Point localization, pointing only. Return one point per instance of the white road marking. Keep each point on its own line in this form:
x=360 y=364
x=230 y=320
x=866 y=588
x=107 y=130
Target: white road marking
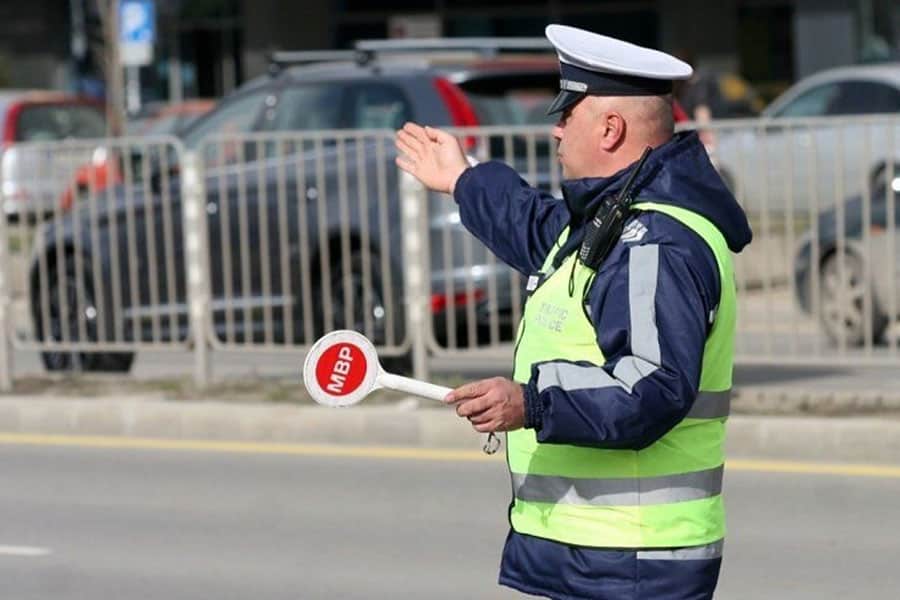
x=29 y=551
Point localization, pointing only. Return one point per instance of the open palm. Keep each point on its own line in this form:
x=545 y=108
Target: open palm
x=431 y=155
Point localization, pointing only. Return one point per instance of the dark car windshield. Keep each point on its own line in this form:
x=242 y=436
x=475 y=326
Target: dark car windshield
x=51 y=122
x=515 y=99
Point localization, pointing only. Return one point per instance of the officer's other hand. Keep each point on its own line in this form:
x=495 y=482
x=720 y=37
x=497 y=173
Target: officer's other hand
x=432 y=156
x=495 y=404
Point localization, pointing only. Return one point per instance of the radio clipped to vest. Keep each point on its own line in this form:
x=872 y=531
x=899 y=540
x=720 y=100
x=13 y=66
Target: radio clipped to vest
x=604 y=229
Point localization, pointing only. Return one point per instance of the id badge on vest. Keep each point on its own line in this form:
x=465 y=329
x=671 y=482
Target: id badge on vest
x=534 y=282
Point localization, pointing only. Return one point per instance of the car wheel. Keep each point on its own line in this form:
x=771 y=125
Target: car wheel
x=347 y=297
x=842 y=314
x=878 y=179
x=64 y=287
x=348 y=289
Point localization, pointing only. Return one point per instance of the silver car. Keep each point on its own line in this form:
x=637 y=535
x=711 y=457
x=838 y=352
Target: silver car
x=829 y=136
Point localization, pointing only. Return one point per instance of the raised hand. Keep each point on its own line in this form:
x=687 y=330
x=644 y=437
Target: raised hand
x=431 y=155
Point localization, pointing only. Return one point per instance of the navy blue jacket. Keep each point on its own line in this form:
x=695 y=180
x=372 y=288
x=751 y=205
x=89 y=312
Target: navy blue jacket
x=521 y=224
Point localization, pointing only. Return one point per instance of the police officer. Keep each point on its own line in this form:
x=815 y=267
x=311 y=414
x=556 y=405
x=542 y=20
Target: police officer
x=617 y=405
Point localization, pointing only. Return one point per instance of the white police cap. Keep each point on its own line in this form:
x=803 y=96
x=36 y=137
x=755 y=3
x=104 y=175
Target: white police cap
x=593 y=64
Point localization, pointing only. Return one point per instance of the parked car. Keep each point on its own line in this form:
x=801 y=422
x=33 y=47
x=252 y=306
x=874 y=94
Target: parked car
x=169 y=118
x=762 y=159
x=33 y=176
x=343 y=95
x=105 y=167
x=846 y=268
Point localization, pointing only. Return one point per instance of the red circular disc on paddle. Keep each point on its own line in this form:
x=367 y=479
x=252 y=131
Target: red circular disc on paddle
x=341 y=368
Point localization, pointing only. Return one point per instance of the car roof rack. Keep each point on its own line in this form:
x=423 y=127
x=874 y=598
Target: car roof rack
x=366 y=51
x=280 y=59
x=485 y=45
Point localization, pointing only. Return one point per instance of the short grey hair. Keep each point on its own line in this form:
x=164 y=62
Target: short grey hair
x=652 y=114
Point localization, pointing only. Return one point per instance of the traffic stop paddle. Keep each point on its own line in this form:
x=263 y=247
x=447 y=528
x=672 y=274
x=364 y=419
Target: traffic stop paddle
x=342 y=368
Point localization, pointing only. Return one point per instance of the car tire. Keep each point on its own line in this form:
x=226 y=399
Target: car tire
x=843 y=315
x=878 y=179
x=357 y=284
x=77 y=361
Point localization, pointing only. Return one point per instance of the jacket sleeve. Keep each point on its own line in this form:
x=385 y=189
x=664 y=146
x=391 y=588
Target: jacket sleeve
x=517 y=222
x=651 y=310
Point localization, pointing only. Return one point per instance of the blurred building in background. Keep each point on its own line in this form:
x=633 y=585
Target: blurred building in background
x=205 y=48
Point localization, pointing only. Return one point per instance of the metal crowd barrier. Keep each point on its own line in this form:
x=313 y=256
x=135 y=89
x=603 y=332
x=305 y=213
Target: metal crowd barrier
x=92 y=270
x=819 y=284
x=304 y=237
x=262 y=242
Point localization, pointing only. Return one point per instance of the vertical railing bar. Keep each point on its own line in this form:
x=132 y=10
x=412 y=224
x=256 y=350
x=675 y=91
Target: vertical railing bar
x=169 y=238
x=346 y=248
x=362 y=186
x=385 y=245
x=61 y=266
x=222 y=178
x=765 y=225
x=891 y=222
x=246 y=298
x=117 y=310
x=789 y=233
x=80 y=282
x=324 y=242
x=305 y=290
x=493 y=300
x=841 y=242
x=287 y=318
x=150 y=231
x=97 y=279
x=868 y=308
x=43 y=265
x=133 y=262
x=262 y=212
x=470 y=299
x=815 y=255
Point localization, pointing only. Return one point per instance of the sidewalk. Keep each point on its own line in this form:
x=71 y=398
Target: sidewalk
x=404 y=423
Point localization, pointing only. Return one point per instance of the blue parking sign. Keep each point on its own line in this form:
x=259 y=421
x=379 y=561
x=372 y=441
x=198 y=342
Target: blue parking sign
x=137 y=22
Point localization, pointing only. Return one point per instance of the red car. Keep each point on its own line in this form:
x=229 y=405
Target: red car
x=33 y=175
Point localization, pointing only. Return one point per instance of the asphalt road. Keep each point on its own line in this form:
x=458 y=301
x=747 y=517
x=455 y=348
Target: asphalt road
x=115 y=523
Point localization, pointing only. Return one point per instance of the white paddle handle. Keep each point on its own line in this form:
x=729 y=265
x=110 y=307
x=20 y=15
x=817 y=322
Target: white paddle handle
x=413 y=386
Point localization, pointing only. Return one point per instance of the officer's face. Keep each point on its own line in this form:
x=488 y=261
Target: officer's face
x=575 y=134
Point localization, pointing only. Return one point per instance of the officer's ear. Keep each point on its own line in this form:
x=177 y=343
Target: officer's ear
x=612 y=130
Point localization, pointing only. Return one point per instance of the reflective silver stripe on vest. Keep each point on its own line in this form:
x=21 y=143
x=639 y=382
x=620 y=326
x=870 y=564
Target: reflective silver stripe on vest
x=711 y=405
x=574 y=377
x=643 y=270
x=618 y=492
x=706 y=552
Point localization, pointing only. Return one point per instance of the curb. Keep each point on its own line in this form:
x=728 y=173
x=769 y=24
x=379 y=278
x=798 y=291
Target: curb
x=845 y=439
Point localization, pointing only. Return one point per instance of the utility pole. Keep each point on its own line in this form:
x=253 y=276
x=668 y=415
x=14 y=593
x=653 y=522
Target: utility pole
x=112 y=66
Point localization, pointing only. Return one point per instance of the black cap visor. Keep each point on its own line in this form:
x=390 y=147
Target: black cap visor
x=564 y=100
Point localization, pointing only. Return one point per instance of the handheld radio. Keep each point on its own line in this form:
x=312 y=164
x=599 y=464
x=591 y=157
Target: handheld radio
x=604 y=229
